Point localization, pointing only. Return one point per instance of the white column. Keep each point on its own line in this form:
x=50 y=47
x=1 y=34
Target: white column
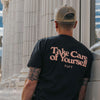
x=12 y=41
x=68 y=2
x=85 y=22
x=26 y=35
x=5 y=65
x=55 y=4
x=12 y=11
x=18 y=53
x=31 y=28
x=76 y=5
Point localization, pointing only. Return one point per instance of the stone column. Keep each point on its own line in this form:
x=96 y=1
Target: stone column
x=6 y=42
x=76 y=5
x=13 y=40
x=53 y=5
x=29 y=36
x=31 y=33
x=85 y=22
x=68 y=2
x=14 y=37
x=12 y=18
x=18 y=44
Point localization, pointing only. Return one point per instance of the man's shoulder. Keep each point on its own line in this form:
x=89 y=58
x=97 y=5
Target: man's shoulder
x=86 y=50
x=82 y=47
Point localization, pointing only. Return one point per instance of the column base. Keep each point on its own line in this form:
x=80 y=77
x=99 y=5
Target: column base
x=11 y=88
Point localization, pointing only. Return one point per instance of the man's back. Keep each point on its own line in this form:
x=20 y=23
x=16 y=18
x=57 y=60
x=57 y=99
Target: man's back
x=65 y=62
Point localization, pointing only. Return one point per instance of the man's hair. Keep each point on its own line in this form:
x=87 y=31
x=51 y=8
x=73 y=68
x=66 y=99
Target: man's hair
x=66 y=25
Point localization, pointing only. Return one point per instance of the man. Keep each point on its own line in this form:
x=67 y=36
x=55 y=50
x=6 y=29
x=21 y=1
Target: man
x=59 y=65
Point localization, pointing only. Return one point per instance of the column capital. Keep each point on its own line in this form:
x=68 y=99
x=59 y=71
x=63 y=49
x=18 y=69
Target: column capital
x=5 y=4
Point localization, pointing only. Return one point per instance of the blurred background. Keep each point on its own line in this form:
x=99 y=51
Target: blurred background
x=23 y=22
x=1 y=34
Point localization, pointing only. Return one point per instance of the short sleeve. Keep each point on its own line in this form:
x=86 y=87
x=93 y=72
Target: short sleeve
x=36 y=57
x=89 y=66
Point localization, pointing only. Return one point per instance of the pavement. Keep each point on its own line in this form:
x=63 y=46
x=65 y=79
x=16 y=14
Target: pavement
x=9 y=94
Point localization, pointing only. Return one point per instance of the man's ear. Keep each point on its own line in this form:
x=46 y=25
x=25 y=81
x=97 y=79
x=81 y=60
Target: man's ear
x=75 y=24
x=56 y=24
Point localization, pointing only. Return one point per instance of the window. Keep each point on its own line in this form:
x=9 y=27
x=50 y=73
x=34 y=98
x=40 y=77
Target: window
x=98 y=26
x=97 y=1
x=97 y=20
x=97 y=7
x=97 y=13
x=0 y=5
x=1 y=21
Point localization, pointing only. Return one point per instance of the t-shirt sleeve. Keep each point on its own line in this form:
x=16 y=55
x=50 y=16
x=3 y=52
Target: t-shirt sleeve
x=36 y=56
x=89 y=66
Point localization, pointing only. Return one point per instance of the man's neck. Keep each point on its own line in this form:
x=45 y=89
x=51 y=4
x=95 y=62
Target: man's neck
x=69 y=33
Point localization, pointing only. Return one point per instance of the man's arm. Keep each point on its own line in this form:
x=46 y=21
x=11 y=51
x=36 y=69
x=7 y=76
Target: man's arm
x=83 y=89
x=30 y=83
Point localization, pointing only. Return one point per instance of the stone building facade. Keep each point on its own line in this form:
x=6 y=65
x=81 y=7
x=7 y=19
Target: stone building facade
x=25 y=22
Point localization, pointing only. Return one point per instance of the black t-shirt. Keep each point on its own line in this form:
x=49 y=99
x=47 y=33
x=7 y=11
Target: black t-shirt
x=64 y=62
